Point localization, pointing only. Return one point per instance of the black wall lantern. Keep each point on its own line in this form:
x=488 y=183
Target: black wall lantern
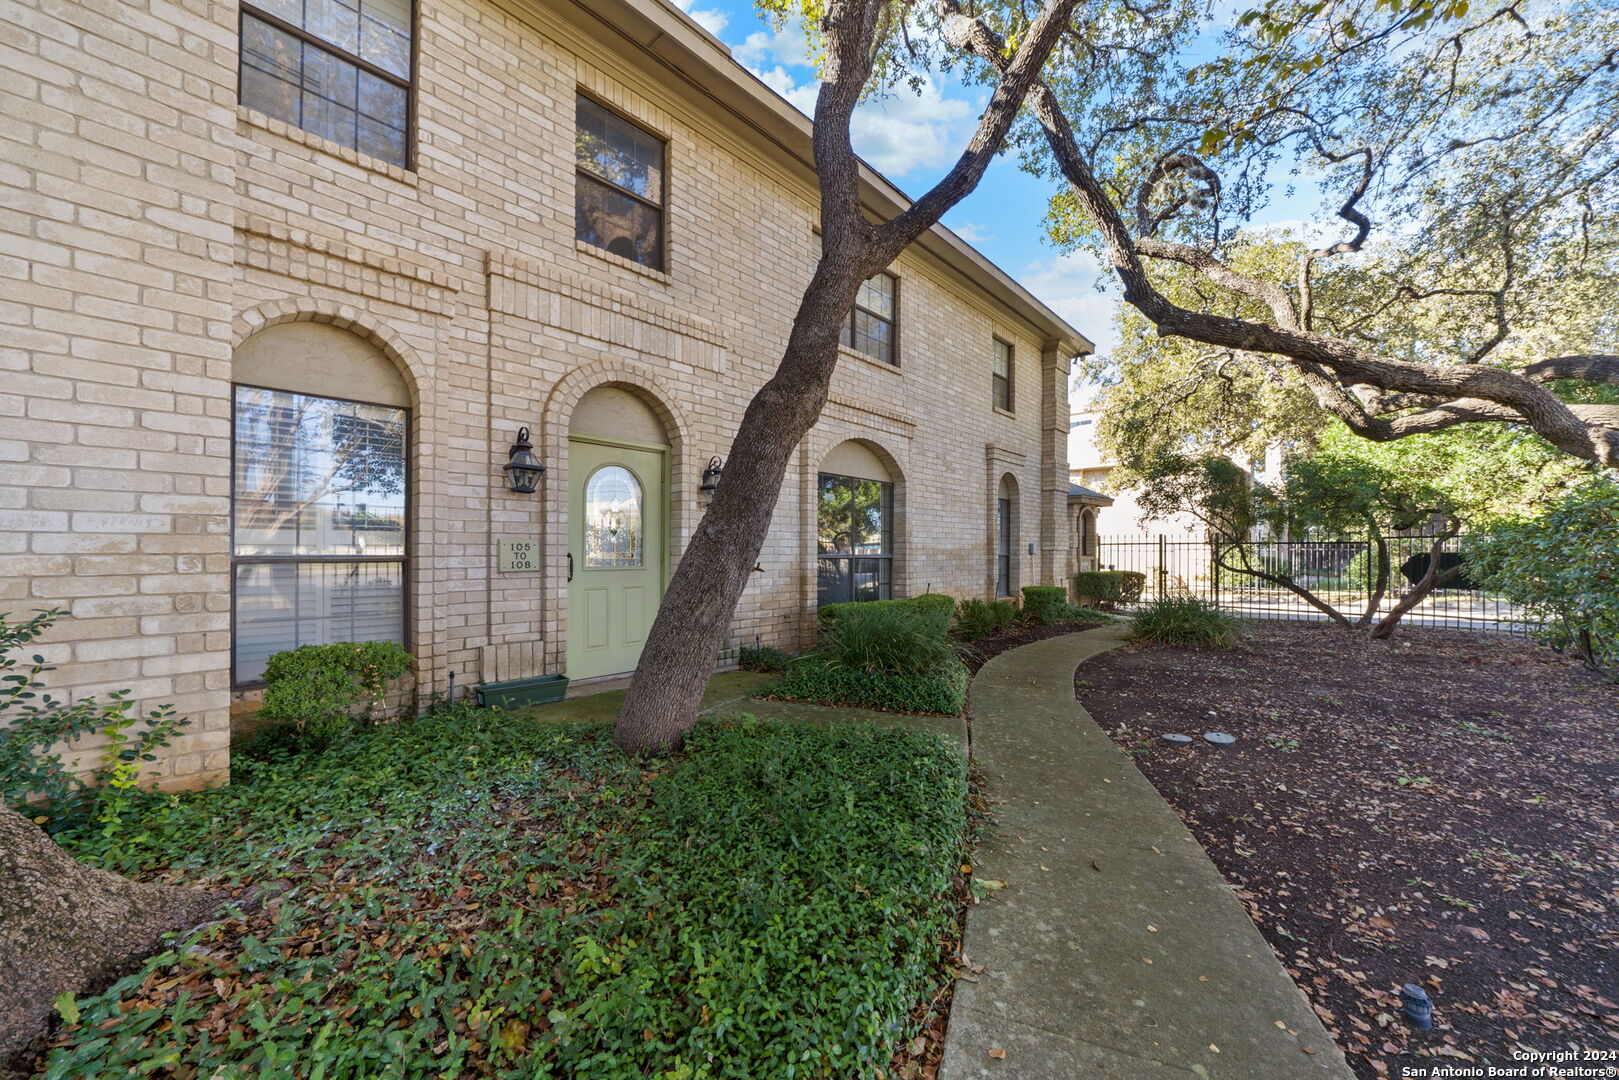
x=522 y=468
x=711 y=478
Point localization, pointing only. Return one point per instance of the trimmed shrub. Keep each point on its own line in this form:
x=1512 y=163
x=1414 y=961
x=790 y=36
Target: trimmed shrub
x=979 y=618
x=316 y=688
x=1109 y=587
x=767 y=659
x=1043 y=604
x=1184 y=620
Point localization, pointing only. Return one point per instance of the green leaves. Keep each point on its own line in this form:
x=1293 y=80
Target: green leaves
x=67 y=1007
x=316 y=688
x=1562 y=566
x=474 y=895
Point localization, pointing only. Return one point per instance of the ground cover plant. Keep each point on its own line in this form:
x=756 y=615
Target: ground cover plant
x=1439 y=809
x=892 y=655
x=465 y=895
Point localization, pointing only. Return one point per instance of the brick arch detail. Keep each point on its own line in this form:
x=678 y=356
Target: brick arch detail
x=641 y=381
x=344 y=317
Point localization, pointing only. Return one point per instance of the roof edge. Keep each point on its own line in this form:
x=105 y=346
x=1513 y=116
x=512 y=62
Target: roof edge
x=675 y=37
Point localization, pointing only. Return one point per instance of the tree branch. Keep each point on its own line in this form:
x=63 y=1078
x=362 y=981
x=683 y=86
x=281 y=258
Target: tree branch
x=1018 y=76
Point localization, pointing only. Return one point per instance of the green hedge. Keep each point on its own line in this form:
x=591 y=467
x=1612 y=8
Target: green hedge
x=935 y=609
x=1044 y=605
x=1109 y=586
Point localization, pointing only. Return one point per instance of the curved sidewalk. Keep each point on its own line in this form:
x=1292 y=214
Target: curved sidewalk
x=1115 y=949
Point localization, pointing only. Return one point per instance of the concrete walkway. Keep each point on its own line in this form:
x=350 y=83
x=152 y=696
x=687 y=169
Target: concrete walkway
x=1115 y=950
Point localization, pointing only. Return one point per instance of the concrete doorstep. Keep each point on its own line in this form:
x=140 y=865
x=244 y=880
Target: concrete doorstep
x=1115 y=948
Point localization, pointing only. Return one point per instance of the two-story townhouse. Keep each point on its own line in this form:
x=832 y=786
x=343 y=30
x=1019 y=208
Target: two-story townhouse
x=286 y=281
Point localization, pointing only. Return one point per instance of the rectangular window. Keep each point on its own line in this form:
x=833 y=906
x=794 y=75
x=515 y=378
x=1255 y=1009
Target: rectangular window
x=619 y=199
x=1003 y=547
x=870 y=326
x=855 y=539
x=1002 y=376
x=339 y=69
x=318 y=503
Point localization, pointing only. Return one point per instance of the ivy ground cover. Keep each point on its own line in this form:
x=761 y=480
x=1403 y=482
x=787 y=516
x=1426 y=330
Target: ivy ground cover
x=473 y=895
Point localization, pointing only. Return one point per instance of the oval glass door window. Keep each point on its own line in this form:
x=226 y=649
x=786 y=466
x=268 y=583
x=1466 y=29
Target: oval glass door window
x=613 y=518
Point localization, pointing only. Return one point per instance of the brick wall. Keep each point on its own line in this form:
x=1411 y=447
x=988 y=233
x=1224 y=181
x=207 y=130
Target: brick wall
x=150 y=224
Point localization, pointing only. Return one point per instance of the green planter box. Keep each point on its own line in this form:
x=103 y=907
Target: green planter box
x=516 y=693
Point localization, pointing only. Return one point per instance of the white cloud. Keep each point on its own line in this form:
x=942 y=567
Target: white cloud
x=896 y=134
x=907 y=130
x=972 y=232
x=1066 y=283
x=711 y=19
x=787 y=46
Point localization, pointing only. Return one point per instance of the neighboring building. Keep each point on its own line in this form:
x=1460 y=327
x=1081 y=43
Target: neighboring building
x=1124 y=519
x=285 y=280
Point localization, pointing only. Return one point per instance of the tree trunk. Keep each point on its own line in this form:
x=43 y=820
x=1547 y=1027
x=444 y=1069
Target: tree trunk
x=1431 y=580
x=65 y=926
x=1382 y=571
x=690 y=627
x=696 y=611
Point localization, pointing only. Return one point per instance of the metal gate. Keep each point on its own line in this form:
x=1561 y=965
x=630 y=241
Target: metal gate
x=1340 y=571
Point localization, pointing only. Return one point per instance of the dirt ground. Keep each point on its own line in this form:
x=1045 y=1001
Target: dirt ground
x=1440 y=809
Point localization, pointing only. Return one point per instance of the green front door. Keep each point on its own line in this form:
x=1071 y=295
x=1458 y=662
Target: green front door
x=617 y=520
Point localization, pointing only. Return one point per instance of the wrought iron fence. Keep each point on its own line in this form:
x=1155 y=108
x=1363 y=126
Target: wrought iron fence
x=1341 y=571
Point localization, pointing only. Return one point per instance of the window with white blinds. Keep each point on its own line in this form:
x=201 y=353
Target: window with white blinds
x=319 y=499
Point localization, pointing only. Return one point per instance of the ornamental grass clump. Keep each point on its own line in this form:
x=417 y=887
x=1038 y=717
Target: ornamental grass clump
x=1184 y=620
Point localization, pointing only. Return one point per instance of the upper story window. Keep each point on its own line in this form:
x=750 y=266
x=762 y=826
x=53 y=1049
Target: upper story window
x=339 y=69
x=870 y=328
x=619 y=201
x=1001 y=376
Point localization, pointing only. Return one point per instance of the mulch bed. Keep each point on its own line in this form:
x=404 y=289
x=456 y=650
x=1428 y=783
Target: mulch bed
x=1440 y=809
x=975 y=654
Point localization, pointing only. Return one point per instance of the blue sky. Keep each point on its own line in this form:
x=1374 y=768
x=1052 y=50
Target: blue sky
x=913 y=138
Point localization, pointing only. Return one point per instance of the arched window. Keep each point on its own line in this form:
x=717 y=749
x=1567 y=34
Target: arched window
x=319 y=494
x=1087 y=532
x=854 y=516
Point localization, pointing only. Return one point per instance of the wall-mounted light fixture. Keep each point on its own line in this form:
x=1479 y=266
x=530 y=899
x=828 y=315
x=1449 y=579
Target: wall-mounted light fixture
x=522 y=468
x=711 y=478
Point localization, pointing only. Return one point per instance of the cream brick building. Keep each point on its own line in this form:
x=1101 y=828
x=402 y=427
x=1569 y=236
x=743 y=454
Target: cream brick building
x=282 y=282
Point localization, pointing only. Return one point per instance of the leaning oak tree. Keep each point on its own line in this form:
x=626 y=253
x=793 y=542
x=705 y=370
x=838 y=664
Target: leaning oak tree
x=862 y=42
x=1486 y=139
